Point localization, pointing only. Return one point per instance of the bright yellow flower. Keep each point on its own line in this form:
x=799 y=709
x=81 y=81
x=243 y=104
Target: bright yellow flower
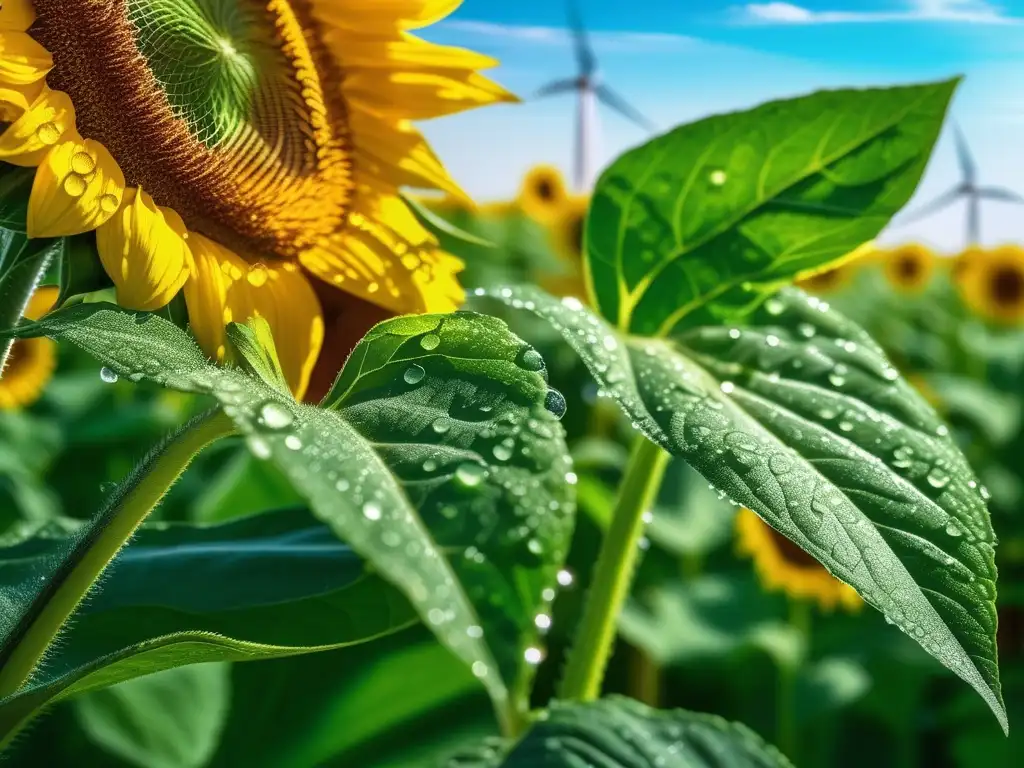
x=909 y=268
x=782 y=565
x=991 y=282
x=542 y=193
x=237 y=148
x=32 y=361
x=838 y=274
x=567 y=238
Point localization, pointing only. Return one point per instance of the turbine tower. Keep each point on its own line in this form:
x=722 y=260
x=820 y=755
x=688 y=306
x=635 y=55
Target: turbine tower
x=968 y=189
x=590 y=90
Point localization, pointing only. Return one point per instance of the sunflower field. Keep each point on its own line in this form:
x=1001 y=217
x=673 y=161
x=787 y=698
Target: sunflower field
x=307 y=459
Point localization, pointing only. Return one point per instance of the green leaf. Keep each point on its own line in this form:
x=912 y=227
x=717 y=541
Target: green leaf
x=739 y=203
x=621 y=733
x=436 y=223
x=440 y=464
x=156 y=609
x=171 y=719
x=15 y=189
x=254 y=343
x=800 y=417
x=81 y=271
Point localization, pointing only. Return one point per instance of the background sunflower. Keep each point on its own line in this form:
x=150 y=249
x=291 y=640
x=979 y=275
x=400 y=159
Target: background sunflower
x=32 y=362
x=909 y=268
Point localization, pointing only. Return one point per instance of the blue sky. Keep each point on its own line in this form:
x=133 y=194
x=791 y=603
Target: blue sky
x=679 y=60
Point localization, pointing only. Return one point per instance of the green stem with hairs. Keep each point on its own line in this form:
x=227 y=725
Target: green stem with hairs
x=22 y=265
x=98 y=545
x=613 y=576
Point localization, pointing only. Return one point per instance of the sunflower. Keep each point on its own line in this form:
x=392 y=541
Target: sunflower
x=909 y=268
x=566 y=232
x=32 y=361
x=782 y=565
x=838 y=274
x=991 y=283
x=242 y=151
x=542 y=193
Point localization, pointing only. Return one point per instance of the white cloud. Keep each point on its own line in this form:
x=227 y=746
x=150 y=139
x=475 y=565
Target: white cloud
x=959 y=11
x=555 y=36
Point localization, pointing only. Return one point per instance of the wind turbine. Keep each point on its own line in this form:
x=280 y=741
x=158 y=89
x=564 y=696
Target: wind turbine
x=589 y=89
x=967 y=188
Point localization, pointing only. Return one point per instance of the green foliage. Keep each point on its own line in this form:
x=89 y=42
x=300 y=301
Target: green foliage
x=487 y=470
x=721 y=211
x=156 y=609
x=194 y=702
x=799 y=416
x=622 y=733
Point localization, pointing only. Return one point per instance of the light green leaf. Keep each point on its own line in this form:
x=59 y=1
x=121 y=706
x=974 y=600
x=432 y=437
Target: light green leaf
x=621 y=733
x=441 y=465
x=156 y=609
x=799 y=417
x=254 y=343
x=735 y=204
x=171 y=719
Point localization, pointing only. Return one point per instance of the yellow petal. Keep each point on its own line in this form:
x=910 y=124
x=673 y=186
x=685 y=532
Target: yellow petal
x=22 y=59
x=142 y=253
x=41 y=126
x=16 y=15
x=404 y=52
x=386 y=257
x=225 y=288
x=420 y=95
x=365 y=16
x=15 y=100
x=42 y=301
x=77 y=188
x=395 y=152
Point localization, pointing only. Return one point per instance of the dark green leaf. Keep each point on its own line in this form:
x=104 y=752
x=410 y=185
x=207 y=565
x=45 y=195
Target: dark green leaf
x=800 y=417
x=15 y=190
x=81 y=271
x=621 y=733
x=732 y=205
x=171 y=719
x=157 y=610
x=455 y=407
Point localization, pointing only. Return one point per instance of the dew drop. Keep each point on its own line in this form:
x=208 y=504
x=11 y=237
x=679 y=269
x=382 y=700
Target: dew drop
x=774 y=307
x=75 y=185
x=542 y=621
x=938 y=478
x=108 y=375
x=771 y=340
x=109 y=203
x=570 y=478
x=531 y=360
x=342 y=485
x=554 y=402
x=48 y=133
x=806 y=330
x=258 y=275
x=470 y=475
x=430 y=342
x=83 y=163
x=441 y=425
x=475 y=631
x=502 y=452
x=275 y=416
x=565 y=578
x=953 y=529
x=717 y=177
x=728 y=387
x=292 y=443
x=371 y=511
x=734 y=333
x=533 y=655
x=479 y=669
x=414 y=374
x=259 y=447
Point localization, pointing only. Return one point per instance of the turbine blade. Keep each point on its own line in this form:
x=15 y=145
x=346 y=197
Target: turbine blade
x=558 y=86
x=944 y=200
x=613 y=100
x=997 y=193
x=973 y=220
x=968 y=170
x=585 y=58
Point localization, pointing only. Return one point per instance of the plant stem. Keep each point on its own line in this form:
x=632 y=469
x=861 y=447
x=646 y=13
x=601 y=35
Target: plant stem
x=94 y=550
x=786 y=731
x=17 y=284
x=616 y=562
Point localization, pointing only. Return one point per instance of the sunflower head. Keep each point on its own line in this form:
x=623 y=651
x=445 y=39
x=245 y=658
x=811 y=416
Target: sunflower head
x=991 y=283
x=566 y=230
x=838 y=274
x=543 y=194
x=32 y=361
x=238 y=148
x=909 y=268
x=781 y=565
